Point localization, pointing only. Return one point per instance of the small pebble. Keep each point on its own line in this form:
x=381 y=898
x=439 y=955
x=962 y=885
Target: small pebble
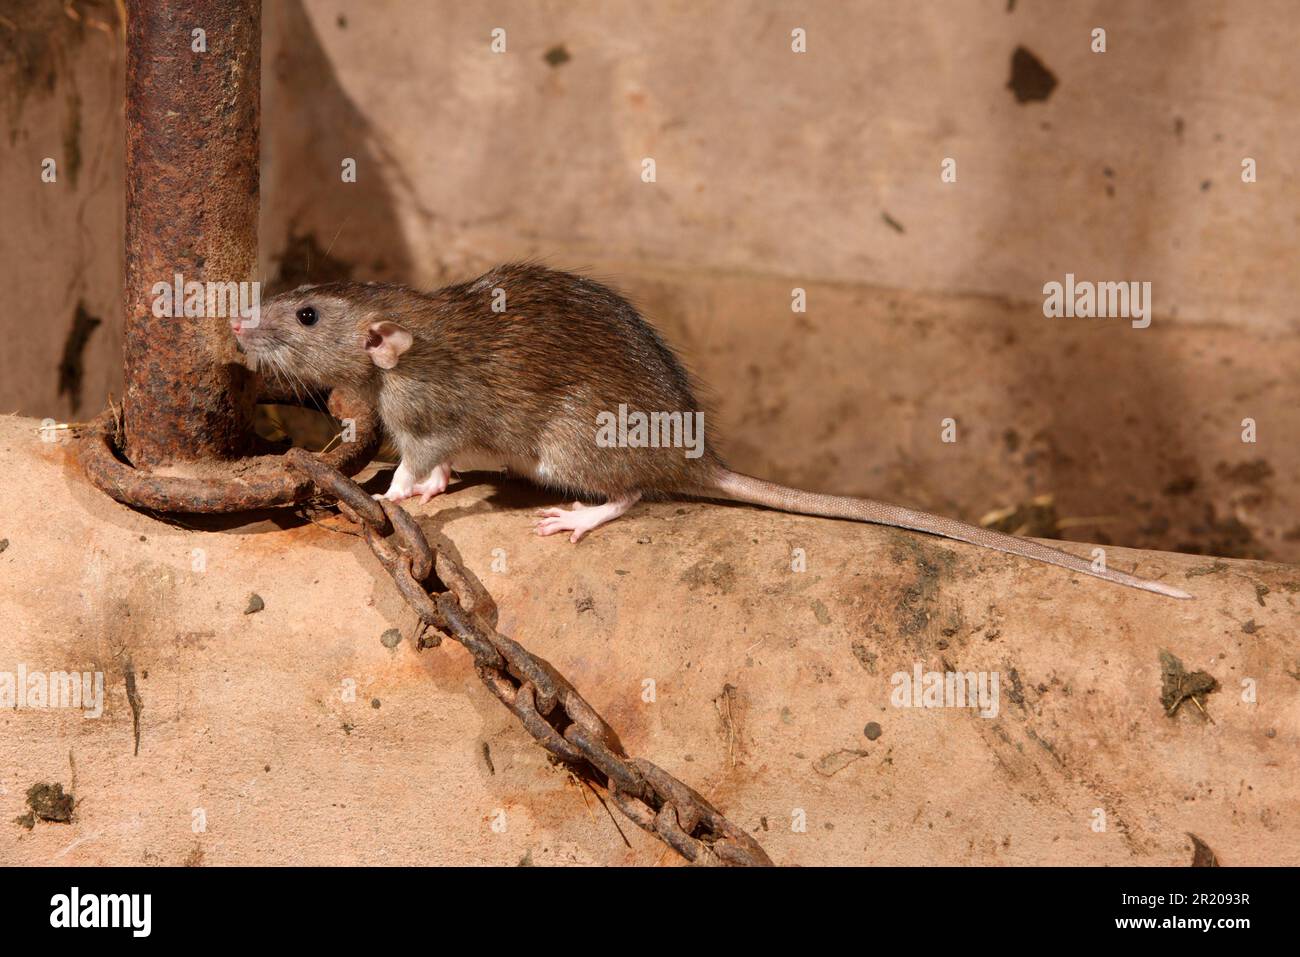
x=872 y=731
x=255 y=604
x=391 y=638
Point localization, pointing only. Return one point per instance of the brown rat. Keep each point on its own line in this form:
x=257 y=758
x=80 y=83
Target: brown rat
x=559 y=378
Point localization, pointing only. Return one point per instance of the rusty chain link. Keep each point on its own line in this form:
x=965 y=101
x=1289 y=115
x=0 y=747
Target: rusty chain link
x=550 y=708
x=240 y=485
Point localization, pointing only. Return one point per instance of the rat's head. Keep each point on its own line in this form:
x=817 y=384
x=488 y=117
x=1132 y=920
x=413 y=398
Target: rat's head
x=327 y=335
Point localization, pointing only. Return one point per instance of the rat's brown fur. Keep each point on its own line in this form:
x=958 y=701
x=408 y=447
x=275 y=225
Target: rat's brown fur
x=524 y=385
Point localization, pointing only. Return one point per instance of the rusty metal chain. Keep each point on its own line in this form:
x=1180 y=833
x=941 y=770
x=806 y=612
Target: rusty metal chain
x=547 y=705
x=237 y=486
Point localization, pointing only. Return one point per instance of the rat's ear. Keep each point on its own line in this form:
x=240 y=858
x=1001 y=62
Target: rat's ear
x=386 y=341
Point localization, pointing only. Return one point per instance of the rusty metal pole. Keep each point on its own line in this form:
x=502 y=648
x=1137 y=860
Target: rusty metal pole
x=193 y=117
x=192 y=148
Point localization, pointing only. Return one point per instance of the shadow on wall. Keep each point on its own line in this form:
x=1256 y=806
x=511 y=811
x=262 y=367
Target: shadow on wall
x=315 y=226
x=61 y=81
x=1111 y=406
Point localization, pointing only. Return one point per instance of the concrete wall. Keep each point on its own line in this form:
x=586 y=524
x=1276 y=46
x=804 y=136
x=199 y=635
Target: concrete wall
x=783 y=164
x=61 y=83
x=778 y=170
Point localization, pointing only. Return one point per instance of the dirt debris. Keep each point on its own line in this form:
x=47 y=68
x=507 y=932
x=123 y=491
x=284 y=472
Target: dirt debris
x=1202 y=856
x=1036 y=518
x=867 y=659
x=1179 y=685
x=707 y=574
x=133 y=698
x=916 y=604
x=832 y=763
x=47 y=802
x=726 y=706
x=1212 y=569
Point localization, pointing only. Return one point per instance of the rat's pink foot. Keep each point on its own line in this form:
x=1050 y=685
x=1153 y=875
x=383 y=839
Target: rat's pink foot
x=404 y=486
x=581 y=518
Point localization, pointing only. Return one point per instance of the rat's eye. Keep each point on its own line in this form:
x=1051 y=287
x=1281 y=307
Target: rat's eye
x=307 y=315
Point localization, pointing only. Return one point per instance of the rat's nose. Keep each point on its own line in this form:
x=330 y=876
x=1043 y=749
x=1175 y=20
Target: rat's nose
x=236 y=326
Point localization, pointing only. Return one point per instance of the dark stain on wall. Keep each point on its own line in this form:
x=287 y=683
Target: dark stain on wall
x=71 y=366
x=1030 y=79
x=37 y=39
x=72 y=138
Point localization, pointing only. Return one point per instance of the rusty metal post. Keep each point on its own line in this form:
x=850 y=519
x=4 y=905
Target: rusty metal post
x=193 y=82
x=192 y=148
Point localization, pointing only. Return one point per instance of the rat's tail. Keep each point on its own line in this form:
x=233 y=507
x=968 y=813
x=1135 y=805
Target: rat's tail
x=745 y=488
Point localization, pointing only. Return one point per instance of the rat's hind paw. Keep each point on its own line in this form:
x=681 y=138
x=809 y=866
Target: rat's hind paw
x=581 y=519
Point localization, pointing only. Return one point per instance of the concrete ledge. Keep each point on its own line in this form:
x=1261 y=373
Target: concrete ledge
x=765 y=680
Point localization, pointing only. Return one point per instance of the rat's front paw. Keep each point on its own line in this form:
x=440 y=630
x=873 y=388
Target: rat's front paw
x=402 y=486
x=395 y=493
x=435 y=484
